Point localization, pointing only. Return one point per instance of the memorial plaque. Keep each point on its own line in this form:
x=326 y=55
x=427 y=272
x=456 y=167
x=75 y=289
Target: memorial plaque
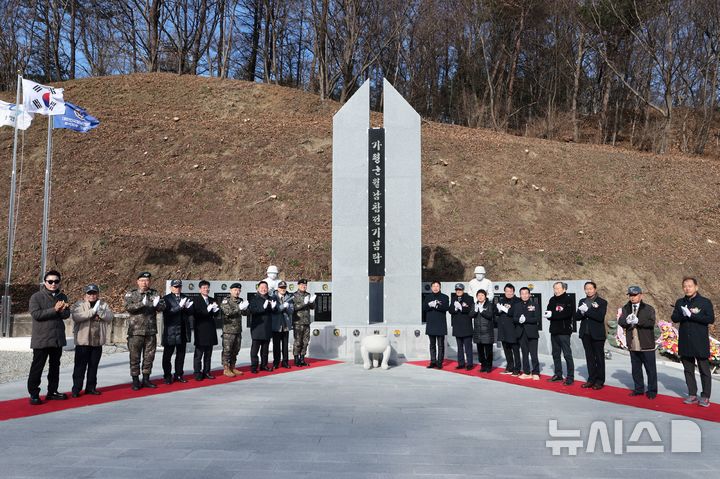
x=323 y=307
x=376 y=203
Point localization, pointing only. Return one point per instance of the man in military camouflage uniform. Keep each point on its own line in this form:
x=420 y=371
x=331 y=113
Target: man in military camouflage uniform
x=143 y=305
x=304 y=302
x=233 y=309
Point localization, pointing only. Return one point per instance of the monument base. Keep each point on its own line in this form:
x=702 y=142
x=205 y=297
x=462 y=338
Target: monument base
x=407 y=342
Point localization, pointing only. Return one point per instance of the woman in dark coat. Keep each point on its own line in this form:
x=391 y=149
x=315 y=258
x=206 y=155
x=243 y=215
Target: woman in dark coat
x=484 y=330
x=435 y=306
x=461 y=305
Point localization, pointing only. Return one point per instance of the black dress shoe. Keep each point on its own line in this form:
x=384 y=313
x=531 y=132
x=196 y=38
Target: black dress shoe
x=286 y=365
x=180 y=379
x=439 y=365
x=587 y=385
x=208 y=376
x=636 y=393
x=555 y=379
x=266 y=368
x=75 y=394
x=35 y=400
x=254 y=369
x=469 y=368
x=430 y=366
x=199 y=377
x=94 y=392
x=651 y=395
x=568 y=382
x=56 y=396
x=460 y=366
x=167 y=380
x=598 y=387
x=276 y=365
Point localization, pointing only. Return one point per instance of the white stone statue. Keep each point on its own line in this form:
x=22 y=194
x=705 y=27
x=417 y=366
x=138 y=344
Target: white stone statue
x=480 y=282
x=272 y=278
x=371 y=347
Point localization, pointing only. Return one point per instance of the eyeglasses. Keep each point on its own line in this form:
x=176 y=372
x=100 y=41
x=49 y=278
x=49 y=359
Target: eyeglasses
x=52 y=281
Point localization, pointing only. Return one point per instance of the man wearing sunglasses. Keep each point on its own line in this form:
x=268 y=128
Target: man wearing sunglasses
x=49 y=309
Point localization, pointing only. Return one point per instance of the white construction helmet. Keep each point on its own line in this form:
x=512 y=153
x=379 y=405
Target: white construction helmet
x=272 y=269
x=479 y=270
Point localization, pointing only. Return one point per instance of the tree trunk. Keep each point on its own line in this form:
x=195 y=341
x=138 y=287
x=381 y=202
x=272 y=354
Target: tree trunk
x=73 y=38
x=576 y=84
x=153 y=34
x=257 y=23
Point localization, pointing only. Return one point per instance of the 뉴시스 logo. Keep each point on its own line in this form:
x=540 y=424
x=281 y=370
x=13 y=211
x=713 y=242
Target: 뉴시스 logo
x=685 y=436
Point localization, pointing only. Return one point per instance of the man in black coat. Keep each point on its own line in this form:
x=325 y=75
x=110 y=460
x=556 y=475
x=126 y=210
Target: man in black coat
x=638 y=320
x=506 y=329
x=461 y=305
x=694 y=313
x=591 y=314
x=177 y=331
x=484 y=330
x=49 y=308
x=560 y=311
x=435 y=306
x=261 y=308
x=205 y=310
x=526 y=316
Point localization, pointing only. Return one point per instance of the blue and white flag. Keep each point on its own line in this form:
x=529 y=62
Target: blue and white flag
x=75 y=118
x=9 y=112
x=42 y=99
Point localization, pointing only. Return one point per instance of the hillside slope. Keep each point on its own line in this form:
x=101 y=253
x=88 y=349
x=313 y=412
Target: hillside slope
x=178 y=177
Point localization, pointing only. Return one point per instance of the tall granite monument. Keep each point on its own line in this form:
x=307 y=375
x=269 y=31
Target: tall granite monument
x=376 y=213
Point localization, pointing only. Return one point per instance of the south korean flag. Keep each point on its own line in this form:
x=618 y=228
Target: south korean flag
x=42 y=99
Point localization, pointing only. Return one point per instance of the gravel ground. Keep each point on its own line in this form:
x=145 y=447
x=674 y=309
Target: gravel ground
x=15 y=365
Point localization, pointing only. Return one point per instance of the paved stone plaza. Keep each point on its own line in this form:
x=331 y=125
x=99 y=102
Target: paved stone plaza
x=341 y=421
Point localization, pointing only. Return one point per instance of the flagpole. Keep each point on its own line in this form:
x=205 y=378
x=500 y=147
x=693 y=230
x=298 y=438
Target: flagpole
x=46 y=202
x=11 y=219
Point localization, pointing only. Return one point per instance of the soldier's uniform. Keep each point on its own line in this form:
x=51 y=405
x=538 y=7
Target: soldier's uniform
x=142 y=330
x=232 y=332
x=301 y=326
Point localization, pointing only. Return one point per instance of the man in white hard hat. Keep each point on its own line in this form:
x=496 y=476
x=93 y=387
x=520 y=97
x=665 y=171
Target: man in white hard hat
x=272 y=278
x=481 y=282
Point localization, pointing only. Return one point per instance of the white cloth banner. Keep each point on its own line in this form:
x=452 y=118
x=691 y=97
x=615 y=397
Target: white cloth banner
x=42 y=99
x=9 y=112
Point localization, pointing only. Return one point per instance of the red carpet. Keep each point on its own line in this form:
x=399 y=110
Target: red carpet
x=18 y=408
x=611 y=394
